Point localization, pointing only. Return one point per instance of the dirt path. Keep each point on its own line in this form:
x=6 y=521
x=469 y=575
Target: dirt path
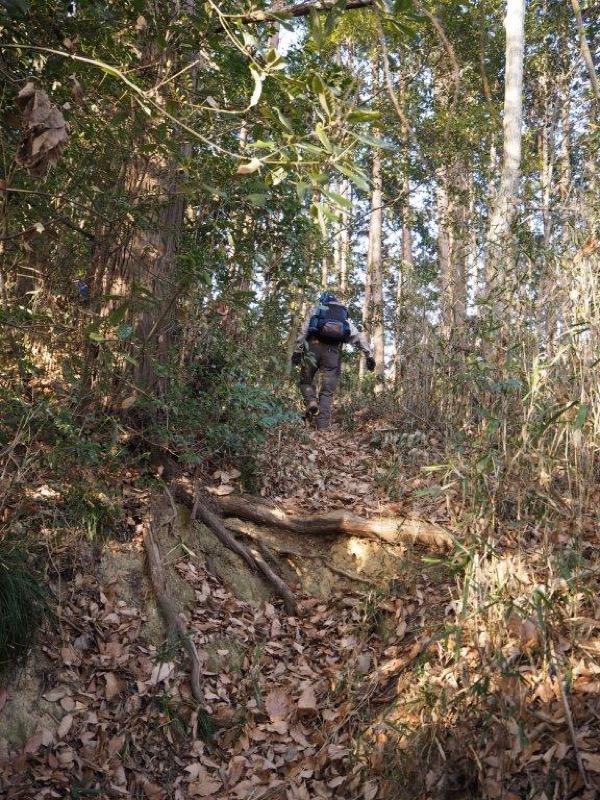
x=290 y=701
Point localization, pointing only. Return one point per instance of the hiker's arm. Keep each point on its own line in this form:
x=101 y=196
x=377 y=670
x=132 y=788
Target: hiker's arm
x=358 y=339
x=303 y=332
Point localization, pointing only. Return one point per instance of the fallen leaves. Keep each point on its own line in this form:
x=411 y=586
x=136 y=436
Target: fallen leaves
x=329 y=705
x=225 y=478
x=125 y=709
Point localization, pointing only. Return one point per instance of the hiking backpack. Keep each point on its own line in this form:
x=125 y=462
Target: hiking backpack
x=330 y=323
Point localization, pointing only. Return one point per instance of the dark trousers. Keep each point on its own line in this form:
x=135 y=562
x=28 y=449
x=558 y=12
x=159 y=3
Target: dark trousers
x=328 y=362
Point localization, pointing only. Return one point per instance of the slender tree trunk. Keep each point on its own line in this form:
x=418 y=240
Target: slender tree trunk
x=499 y=246
x=344 y=240
x=586 y=53
x=376 y=265
x=405 y=274
x=453 y=246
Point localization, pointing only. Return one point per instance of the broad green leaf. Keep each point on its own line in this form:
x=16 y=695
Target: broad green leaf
x=129 y=359
x=115 y=73
x=284 y=120
x=316 y=28
x=582 y=415
x=324 y=212
x=373 y=141
x=357 y=178
x=333 y=16
x=338 y=199
x=323 y=138
x=301 y=189
x=320 y=178
x=322 y=97
x=117 y=315
x=363 y=115
x=273 y=60
x=554 y=418
x=317 y=84
x=310 y=148
x=259 y=200
x=284 y=20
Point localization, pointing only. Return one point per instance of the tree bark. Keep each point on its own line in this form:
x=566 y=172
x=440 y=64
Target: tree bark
x=499 y=238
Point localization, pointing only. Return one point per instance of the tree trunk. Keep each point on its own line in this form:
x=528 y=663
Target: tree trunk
x=499 y=246
x=586 y=53
x=405 y=274
x=375 y=264
x=342 y=240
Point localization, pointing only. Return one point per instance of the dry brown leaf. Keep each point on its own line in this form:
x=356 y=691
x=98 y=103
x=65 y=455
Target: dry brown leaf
x=41 y=738
x=278 y=705
x=114 y=686
x=370 y=790
x=151 y=790
x=204 y=788
x=592 y=761
x=221 y=490
x=161 y=672
x=307 y=703
x=55 y=694
x=68 y=703
x=65 y=726
x=235 y=769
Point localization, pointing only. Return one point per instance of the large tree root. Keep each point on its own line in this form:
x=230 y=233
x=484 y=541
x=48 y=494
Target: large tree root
x=287 y=552
x=251 y=556
x=390 y=530
x=169 y=610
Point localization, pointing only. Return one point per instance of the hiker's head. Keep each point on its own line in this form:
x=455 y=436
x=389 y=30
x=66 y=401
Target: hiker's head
x=328 y=297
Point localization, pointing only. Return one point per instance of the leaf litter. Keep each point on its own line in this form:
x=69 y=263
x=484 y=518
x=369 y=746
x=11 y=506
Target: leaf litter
x=427 y=689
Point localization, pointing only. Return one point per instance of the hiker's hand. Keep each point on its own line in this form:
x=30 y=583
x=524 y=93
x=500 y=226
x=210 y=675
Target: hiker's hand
x=370 y=363
x=296 y=358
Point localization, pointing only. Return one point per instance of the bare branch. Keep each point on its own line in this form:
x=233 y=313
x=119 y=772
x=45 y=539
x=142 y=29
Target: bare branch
x=301 y=10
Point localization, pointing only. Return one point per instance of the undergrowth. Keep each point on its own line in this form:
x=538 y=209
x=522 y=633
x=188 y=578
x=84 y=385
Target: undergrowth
x=23 y=601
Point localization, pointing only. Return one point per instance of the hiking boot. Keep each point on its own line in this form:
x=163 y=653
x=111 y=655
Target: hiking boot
x=312 y=408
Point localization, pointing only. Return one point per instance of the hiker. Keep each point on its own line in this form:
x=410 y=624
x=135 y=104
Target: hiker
x=325 y=330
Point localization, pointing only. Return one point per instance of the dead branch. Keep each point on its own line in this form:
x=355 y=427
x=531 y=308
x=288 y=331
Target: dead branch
x=252 y=557
x=300 y=10
x=387 y=529
x=169 y=610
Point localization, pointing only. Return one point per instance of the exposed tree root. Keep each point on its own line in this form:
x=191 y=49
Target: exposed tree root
x=169 y=610
x=252 y=557
x=390 y=530
x=287 y=552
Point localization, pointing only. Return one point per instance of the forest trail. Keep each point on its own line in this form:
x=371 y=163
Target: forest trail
x=370 y=692
x=288 y=699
